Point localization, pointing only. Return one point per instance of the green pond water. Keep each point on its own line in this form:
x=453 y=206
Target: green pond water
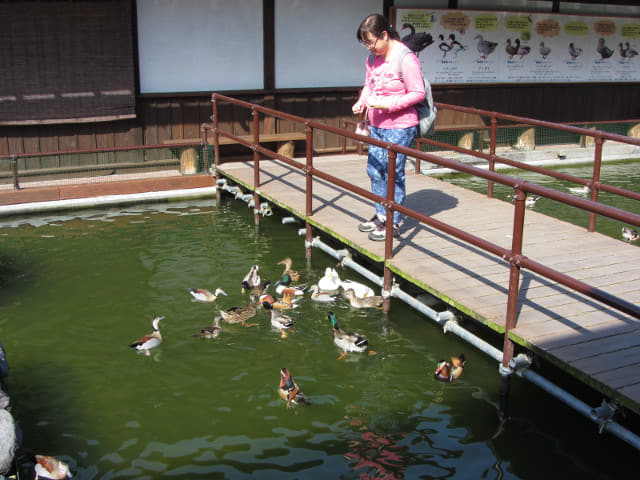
x=77 y=288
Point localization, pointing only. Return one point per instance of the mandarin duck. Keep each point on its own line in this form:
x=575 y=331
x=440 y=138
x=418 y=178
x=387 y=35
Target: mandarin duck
x=51 y=467
x=450 y=371
x=289 y=390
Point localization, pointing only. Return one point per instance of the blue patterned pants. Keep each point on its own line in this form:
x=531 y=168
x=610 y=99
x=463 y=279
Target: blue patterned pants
x=378 y=165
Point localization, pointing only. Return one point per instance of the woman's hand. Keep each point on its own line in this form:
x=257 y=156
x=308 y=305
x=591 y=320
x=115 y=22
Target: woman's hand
x=381 y=103
x=357 y=108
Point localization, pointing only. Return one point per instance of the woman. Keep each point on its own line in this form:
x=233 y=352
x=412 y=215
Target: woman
x=390 y=104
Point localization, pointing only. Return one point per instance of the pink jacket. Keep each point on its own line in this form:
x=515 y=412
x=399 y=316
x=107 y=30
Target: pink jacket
x=382 y=81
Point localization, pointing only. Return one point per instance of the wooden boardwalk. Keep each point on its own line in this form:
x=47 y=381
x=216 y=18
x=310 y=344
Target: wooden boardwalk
x=596 y=344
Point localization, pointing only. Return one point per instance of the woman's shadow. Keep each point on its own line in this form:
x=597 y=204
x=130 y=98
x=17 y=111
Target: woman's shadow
x=428 y=202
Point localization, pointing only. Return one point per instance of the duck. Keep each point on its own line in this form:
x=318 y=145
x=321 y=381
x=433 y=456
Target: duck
x=279 y=320
x=604 y=51
x=289 y=390
x=347 y=341
x=240 y=314
x=416 y=42
x=374 y=301
x=510 y=49
x=319 y=296
x=450 y=371
x=202 y=295
x=152 y=340
x=574 y=52
x=211 y=331
x=544 y=50
x=51 y=467
x=443 y=46
x=522 y=50
x=330 y=282
x=285 y=282
x=629 y=234
x=456 y=44
x=284 y=303
x=583 y=190
x=251 y=279
x=485 y=47
x=258 y=290
x=360 y=289
x=629 y=52
x=287 y=262
x=530 y=201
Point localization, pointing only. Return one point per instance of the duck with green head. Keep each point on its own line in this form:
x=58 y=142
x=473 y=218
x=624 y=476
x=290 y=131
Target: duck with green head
x=347 y=341
x=286 y=282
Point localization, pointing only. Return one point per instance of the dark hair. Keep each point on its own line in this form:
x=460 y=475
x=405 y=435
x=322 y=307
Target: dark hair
x=376 y=25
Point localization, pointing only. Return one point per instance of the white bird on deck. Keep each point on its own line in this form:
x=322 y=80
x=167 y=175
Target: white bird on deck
x=629 y=234
x=152 y=340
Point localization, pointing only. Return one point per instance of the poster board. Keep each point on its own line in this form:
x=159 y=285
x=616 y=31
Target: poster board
x=199 y=45
x=472 y=46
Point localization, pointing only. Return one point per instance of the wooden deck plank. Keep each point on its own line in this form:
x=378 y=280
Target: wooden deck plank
x=572 y=330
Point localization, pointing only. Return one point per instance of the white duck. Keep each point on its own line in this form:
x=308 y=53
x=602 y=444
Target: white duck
x=629 y=234
x=330 y=282
x=579 y=190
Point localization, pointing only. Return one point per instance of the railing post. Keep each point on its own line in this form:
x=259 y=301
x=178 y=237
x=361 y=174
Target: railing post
x=595 y=179
x=256 y=165
x=309 y=182
x=520 y=197
x=388 y=238
x=14 y=170
x=216 y=136
x=492 y=152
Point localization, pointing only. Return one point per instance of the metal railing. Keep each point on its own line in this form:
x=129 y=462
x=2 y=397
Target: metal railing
x=17 y=174
x=514 y=256
x=594 y=184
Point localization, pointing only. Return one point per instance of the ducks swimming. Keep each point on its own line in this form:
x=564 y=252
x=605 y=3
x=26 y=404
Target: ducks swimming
x=284 y=303
x=287 y=262
x=450 y=371
x=279 y=320
x=51 y=467
x=285 y=282
x=202 y=295
x=374 y=301
x=347 y=341
x=251 y=279
x=289 y=390
x=318 y=296
x=583 y=190
x=331 y=283
x=629 y=234
x=211 y=331
x=240 y=314
x=152 y=340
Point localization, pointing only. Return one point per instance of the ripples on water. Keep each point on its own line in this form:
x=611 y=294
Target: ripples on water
x=78 y=288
